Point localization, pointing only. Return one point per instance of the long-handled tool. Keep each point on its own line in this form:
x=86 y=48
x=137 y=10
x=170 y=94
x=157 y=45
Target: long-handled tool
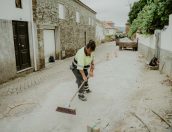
x=69 y=110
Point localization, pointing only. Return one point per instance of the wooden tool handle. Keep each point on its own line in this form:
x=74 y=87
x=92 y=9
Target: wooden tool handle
x=77 y=91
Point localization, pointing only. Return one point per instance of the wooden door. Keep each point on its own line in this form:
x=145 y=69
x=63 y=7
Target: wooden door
x=21 y=43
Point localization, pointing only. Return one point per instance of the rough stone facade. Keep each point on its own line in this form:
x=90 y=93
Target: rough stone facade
x=71 y=34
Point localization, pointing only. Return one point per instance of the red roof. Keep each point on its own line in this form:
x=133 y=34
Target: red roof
x=109 y=24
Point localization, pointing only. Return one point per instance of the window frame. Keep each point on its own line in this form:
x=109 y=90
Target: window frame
x=18 y=5
x=61 y=10
x=89 y=21
x=77 y=17
x=92 y=22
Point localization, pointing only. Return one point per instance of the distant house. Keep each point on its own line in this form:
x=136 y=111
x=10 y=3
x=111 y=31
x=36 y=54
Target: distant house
x=61 y=27
x=109 y=28
x=119 y=29
x=16 y=38
x=100 y=31
x=127 y=28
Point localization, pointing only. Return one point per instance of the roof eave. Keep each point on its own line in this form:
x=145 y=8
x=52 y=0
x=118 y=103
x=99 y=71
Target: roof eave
x=84 y=5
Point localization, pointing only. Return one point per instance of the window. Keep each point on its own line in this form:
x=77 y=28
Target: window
x=89 y=21
x=92 y=22
x=18 y=3
x=61 y=11
x=77 y=17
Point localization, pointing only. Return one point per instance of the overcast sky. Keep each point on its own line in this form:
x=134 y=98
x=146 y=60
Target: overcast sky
x=111 y=10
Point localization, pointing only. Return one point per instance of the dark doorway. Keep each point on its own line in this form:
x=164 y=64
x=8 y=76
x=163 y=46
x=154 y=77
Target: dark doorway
x=21 y=43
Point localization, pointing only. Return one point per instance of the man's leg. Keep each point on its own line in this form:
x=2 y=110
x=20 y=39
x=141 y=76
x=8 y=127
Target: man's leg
x=79 y=81
x=86 y=86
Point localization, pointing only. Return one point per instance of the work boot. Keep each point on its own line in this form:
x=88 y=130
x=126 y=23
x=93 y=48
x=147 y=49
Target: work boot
x=86 y=89
x=82 y=97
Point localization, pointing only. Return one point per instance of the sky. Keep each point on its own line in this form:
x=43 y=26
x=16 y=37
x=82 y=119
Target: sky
x=111 y=10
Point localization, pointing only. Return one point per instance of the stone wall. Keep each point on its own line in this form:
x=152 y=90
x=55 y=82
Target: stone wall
x=146 y=51
x=146 y=45
x=71 y=33
x=166 y=62
x=166 y=48
x=150 y=46
x=7 y=54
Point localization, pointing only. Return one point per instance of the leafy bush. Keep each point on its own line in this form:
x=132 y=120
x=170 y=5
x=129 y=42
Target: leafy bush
x=109 y=38
x=154 y=15
x=136 y=8
x=120 y=35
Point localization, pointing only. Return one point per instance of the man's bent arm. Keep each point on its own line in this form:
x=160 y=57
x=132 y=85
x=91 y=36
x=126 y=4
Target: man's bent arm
x=83 y=75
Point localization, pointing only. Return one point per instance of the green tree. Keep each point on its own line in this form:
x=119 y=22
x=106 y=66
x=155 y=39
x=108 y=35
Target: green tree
x=163 y=12
x=154 y=15
x=136 y=8
x=144 y=20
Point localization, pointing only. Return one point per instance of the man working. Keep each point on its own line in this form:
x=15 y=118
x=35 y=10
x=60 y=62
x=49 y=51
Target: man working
x=84 y=60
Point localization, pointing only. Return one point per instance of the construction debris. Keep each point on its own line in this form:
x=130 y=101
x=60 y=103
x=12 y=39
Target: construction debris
x=162 y=119
x=94 y=128
x=162 y=68
x=167 y=82
x=90 y=129
x=141 y=121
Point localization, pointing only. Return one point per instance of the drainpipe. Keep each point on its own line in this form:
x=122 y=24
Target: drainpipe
x=33 y=37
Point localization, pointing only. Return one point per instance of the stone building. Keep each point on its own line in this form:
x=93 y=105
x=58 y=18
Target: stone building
x=109 y=28
x=33 y=30
x=100 y=31
x=16 y=38
x=61 y=27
